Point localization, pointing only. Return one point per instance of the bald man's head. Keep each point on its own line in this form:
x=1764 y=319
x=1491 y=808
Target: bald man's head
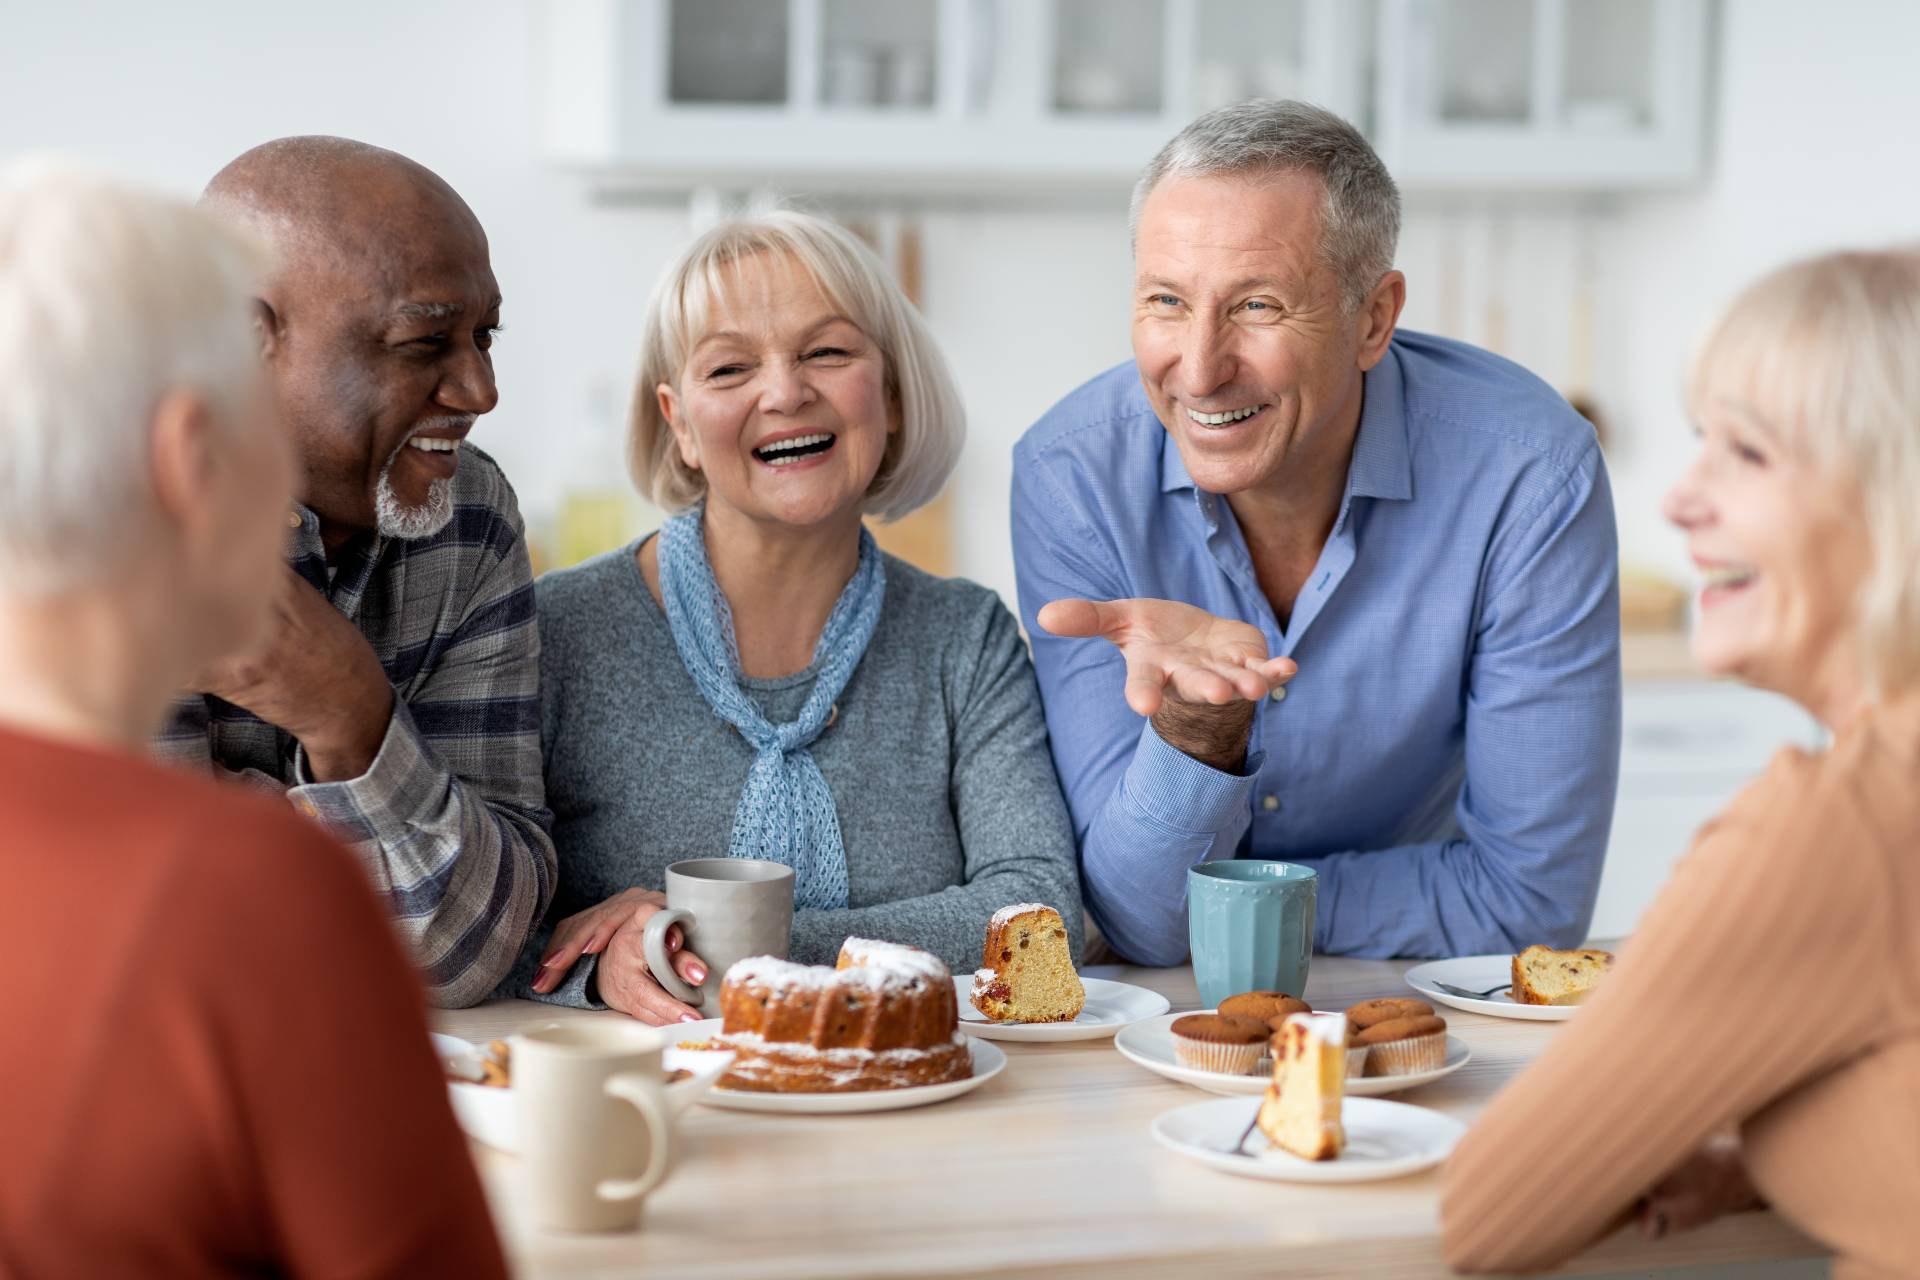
x=377 y=323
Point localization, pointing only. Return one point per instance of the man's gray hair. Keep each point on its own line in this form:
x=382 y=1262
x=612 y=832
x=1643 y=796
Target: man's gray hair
x=1360 y=217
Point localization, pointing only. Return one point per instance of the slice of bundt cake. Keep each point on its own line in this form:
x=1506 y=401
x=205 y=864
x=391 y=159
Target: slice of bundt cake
x=1026 y=972
x=1542 y=975
x=1301 y=1110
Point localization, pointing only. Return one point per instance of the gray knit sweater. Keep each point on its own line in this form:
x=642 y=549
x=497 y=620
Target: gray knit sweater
x=937 y=761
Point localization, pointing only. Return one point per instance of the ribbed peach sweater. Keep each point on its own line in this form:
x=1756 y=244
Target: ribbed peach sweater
x=1774 y=985
x=213 y=1055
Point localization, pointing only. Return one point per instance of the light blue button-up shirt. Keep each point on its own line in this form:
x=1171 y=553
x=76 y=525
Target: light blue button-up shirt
x=1446 y=757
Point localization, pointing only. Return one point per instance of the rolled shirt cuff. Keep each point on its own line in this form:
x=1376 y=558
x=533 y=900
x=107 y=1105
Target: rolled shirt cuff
x=1177 y=791
x=404 y=780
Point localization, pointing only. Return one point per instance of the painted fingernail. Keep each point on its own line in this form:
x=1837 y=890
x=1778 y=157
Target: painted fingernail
x=697 y=973
x=546 y=961
x=689 y=1017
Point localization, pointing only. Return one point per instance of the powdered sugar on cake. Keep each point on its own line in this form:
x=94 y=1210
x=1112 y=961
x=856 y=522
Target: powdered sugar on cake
x=894 y=960
x=1005 y=915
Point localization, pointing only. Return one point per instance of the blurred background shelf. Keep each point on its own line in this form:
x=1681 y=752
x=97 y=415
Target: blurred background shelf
x=923 y=96
x=1542 y=94
x=934 y=97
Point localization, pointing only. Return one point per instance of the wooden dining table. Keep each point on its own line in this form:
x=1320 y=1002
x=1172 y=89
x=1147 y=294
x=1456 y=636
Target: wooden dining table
x=1049 y=1169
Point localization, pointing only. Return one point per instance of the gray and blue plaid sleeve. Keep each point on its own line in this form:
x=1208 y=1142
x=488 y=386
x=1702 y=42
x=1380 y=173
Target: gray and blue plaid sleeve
x=451 y=816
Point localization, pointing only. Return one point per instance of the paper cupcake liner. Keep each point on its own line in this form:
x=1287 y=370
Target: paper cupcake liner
x=1205 y=1055
x=1357 y=1055
x=1405 y=1057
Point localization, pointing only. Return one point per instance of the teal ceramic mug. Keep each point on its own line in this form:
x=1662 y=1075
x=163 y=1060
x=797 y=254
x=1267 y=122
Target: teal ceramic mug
x=1250 y=927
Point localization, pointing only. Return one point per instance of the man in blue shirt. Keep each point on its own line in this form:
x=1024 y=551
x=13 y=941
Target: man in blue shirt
x=1362 y=584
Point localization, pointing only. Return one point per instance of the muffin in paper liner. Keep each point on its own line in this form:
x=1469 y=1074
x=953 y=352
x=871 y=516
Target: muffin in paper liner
x=1230 y=1054
x=1405 y=1057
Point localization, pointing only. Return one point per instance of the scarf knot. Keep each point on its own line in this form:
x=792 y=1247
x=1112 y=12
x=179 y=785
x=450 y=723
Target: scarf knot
x=786 y=812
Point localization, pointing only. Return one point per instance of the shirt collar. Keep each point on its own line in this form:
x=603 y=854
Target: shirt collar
x=1381 y=466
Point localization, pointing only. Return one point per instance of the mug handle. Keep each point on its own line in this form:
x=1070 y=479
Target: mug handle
x=643 y=1092
x=654 y=943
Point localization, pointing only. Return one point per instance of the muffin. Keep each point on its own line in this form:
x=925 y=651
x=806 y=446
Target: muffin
x=1219 y=1042
x=1403 y=1046
x=1368 y=1012
x=1271 y=1007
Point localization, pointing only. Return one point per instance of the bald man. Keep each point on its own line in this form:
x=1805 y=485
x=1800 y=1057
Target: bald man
x=397 y=701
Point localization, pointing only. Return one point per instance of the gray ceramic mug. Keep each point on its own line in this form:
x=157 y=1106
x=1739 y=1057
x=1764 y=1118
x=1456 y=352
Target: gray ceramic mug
x=729 y=909
x=1250 y=927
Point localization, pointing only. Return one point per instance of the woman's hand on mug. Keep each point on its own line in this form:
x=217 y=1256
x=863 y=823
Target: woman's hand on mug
x=587 y=933
x=627 y=984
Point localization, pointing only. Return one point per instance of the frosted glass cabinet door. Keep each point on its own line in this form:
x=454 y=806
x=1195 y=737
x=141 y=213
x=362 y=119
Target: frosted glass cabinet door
x=1542 y=93
x=727 y=51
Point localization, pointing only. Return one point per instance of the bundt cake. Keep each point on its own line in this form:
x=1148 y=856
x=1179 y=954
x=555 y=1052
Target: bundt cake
x=884 y=1018
x=1026 y=972
x=1301 y=1112
x=1542 y=975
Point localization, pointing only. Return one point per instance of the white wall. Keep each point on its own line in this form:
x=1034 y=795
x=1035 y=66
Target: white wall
x=1813 y=145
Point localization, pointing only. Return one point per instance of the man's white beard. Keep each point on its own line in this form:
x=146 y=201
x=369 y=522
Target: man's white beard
x=394 y=519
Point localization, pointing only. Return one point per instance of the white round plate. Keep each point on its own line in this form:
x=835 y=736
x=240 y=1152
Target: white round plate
x=487 y=1113
x=1110 y=1006
x=1477 y=973
x=988 y=1062
x=1150 y=1044
x=1384 y=1140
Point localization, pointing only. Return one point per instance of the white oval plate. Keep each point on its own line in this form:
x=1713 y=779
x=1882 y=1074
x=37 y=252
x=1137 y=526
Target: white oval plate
x=1477 y=973
x=1384 y=1140
x=1150 y=1044
x=1110 y=1006
x=988 y=1062
x=487 y=1113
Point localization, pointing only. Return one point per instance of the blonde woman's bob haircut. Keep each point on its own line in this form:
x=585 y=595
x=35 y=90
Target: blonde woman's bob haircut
x=919 y=457
x=1825 y=355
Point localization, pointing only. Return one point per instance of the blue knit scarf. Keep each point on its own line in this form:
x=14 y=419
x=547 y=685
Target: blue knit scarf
x=785 y=812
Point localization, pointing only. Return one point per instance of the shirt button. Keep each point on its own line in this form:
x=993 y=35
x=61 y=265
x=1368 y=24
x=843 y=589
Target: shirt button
x=1269 y=803
x=1280 y=694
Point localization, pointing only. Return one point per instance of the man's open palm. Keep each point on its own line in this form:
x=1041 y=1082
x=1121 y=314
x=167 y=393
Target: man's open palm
x=1175 y=651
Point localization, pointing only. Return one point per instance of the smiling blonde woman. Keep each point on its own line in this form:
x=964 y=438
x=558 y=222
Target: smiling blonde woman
x=758 y=679
x=1760 y=1038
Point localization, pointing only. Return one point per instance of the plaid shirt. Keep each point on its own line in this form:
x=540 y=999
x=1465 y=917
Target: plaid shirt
x=451 y=818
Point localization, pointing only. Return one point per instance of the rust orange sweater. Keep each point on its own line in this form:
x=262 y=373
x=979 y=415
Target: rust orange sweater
x=213 y=1056
x=1774 y=985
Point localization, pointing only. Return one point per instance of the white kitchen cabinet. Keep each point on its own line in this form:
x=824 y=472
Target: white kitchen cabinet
x=1687 y=748
x=1542 y=93
x=984 y=97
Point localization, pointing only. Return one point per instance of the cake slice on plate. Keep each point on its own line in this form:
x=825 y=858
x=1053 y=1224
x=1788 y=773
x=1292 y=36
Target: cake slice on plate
x=1026 y=972
x=1542 y=975
x=1301 y=1111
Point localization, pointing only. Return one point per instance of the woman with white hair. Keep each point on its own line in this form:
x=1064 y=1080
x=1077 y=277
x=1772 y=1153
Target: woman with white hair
x=1760 y=1036
x=759 y=679
x=213 y=1055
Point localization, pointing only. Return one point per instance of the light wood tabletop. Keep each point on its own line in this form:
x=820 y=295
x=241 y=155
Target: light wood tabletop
x=1049 y=1169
